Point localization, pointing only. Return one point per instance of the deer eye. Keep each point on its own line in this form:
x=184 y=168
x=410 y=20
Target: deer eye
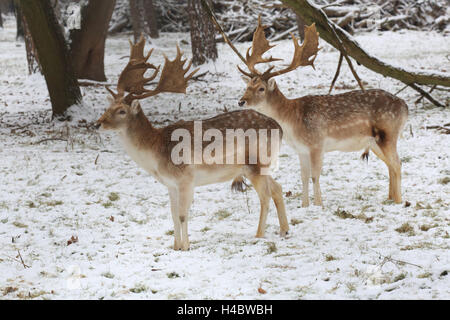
x=261 y=89
x=122 y=112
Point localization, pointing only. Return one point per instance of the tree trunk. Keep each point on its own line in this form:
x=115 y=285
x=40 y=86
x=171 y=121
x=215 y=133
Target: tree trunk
x=203 y=41
x=32 y=57
x=53 y=54
x=301 y=27
x=137 y=21
x=1 y=19
x=19 y=26
x=328 y=31
x=151 y=19
x=88 y=43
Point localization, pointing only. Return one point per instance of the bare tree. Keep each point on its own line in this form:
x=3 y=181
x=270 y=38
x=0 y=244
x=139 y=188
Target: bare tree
x=1 y=19
x=136 y=18
x=301 y=27
x=150 y=18
x=203 y=41
x=348 y=47
x=88 y=43
x=53 y=53
x=19 y=20
x=32 y=57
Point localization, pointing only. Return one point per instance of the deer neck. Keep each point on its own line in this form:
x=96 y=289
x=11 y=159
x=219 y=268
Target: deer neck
x=280 y=108
x=140 y=136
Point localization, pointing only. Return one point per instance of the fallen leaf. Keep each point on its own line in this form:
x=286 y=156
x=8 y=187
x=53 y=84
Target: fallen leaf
x=261 y=290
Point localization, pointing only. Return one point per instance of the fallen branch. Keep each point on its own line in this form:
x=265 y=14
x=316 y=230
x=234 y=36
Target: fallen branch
x=426 y=95
x=341 y=57
x=395 y=261
x=21 y=260
x=328 y=30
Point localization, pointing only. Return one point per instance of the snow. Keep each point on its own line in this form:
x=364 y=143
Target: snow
x=84 y=185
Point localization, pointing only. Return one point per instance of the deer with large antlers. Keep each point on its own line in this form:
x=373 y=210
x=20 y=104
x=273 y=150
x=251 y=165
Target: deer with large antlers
x=157 y=149
x=315 y=124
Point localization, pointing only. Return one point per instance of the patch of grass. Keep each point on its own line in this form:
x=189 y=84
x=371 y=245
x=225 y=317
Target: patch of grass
x=113 y=196
x=445 y=180
x=53 y=203
x=426 y=227
x=222 y=214
x=406 y=159
x=139 y=288
x=107 y=205
x=108 y=275
x=173 y=275
x=343 y=214
x=351 y=287
x=271 y=247
x=30 y=204
x=205 y=229
x=19 y=224
x=169 y=233
x=329 y=257
x=405 y=228
x=425 y=275
x=400 y=277
x=347 y=215
x=295 y=222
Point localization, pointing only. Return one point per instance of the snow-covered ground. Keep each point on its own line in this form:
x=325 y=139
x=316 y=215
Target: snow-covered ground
x=84 y=186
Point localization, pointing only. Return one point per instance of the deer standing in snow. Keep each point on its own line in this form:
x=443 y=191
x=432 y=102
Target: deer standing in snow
x=315 y=124
x=153 y=148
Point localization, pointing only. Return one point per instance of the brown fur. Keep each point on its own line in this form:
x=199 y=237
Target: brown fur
x=151 y=148
x=314 y=123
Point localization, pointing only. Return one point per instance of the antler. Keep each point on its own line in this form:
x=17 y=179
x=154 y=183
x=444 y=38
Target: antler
x=132 y=78
x=302 y=54
x=260 y=45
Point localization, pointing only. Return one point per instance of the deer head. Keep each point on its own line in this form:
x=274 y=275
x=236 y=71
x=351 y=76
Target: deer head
x=124 y=104
x=261 y=84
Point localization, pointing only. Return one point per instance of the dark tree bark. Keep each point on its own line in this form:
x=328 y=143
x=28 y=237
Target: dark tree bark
x=53 y=54
x=151 y=18
x=301 y=28
x=32 y=57
x=137 y=21
x=1 y=19
x=88 y=43
x=203 y=41
x=19 y=25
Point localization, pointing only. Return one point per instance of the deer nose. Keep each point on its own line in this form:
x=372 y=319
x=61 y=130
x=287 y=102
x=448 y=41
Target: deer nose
x=241 y=103
x=97 y=125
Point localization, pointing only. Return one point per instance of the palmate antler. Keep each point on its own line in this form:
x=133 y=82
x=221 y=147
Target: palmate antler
x=304 y=55
x=132 y=79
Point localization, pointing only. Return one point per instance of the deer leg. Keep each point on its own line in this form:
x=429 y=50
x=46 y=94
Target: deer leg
x=261 y=185
x=390 y=157
x=395 y=168
x=176 y=219
x=277 y=196
x=316 y=168
x=185 y=196
x=305 y=168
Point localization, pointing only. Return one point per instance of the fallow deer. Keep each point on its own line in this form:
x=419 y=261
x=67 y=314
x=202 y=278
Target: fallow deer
x=315 y=124
x=153 y=148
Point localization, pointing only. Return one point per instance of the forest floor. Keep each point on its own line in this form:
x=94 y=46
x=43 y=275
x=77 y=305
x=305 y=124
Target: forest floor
x=80 y=220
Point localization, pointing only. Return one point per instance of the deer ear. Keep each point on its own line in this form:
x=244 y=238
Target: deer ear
x=271 y=84
x=135 y=107
x=246 y=79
